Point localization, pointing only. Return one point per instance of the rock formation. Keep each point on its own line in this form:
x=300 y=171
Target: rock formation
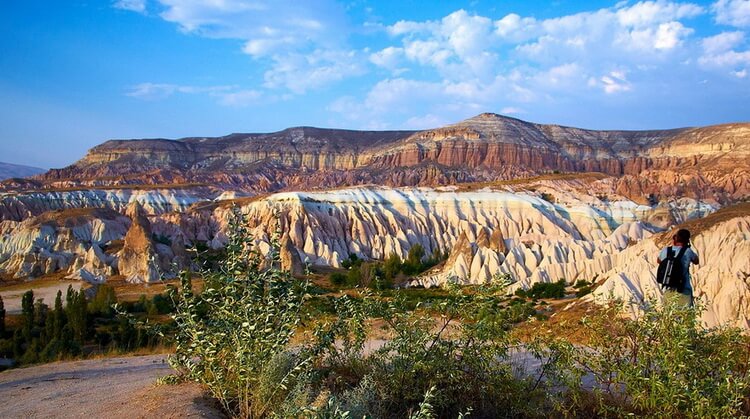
x=709 y=163
x=70 y=241
x=137 y=261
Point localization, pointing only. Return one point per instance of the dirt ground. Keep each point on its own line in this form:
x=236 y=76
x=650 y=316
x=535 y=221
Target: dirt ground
x=109 y=388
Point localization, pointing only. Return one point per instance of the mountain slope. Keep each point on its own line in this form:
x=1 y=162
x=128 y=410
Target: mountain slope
x=9 y=170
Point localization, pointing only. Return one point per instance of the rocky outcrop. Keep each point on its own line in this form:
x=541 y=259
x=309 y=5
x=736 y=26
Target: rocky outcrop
x=70 y=241
x=137 y=261
x=290 y=260
x=22 y=205
x=487 y=232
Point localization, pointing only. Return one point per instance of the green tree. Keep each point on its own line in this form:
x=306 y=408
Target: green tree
x=103 y=301
x=413 y=263
x=76 y=311
x=27 y=314
x=391 y=267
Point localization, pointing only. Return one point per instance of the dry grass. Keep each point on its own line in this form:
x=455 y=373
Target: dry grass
x=7 y=283
x=583 y=176
x=127 y=292
x=562 y=322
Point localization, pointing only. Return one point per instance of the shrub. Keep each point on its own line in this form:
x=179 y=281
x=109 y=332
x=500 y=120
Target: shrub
x=546 y=290
x=662 y=364
x=450 y=358
x=228 y=336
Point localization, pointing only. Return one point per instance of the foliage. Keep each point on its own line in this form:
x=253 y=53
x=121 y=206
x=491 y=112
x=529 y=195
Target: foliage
x=664 y=363
x=245 y=317
x=103 y=301
x=544 y=290
x=440 y=361
x=382 y=275
x=49 y=334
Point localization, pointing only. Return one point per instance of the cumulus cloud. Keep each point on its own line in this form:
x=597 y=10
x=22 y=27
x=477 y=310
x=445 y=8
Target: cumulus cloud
x=302 y=43
x=302 y=72
x=724 y=52
x=732 y=12
x=463 y=62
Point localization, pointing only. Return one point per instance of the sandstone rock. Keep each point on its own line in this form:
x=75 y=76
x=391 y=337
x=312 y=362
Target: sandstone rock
x=137 y=260
x=290 y=260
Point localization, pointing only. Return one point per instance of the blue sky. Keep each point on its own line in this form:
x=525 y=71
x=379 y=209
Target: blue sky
x=75 y=73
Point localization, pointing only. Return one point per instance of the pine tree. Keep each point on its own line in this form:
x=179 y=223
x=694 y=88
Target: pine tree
x=58 y=317
x=27 y=314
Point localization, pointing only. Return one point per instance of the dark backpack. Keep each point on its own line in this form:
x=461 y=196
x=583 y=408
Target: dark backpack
x=671 y=273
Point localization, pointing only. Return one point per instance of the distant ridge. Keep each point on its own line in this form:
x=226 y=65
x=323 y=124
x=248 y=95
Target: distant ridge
x=10 y=170
x=711 y=161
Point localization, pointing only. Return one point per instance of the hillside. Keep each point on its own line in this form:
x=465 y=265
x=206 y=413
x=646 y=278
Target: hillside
x=8 y=170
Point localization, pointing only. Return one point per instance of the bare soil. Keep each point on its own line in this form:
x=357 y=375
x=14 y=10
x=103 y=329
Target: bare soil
x=109 y=388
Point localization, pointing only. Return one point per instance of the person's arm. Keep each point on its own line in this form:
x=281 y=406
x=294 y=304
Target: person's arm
x=663 y=253
x=695 y=259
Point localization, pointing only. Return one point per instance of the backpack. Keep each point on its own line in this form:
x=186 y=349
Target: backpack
x=671 y=273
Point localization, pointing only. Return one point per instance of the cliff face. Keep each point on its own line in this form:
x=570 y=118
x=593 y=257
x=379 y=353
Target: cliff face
x=484 y=148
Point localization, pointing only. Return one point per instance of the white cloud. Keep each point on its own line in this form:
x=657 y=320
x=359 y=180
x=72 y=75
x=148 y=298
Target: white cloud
x=265 y=25
x=647 y=13
x=740 y=74
x=224 y=95
x=614 y=82
x=389 y=57
x=722 y=42
x=302 y=72
x=240 y=98
x=304 y=43
x=157 y=91
x=512 y=110
x=723 y=51
x=138 y=6
x=732 y=12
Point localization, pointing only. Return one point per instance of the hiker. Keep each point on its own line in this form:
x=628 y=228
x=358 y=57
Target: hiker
x=681 y=253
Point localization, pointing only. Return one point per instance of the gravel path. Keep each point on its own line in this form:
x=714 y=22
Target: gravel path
x=109 y=388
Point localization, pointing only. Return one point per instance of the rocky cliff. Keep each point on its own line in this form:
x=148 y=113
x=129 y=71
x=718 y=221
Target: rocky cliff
x=710 y=162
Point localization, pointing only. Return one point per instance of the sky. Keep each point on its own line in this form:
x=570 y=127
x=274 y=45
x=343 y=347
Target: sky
x=76 y=73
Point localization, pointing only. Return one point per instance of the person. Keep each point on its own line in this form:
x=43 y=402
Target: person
x=679 y=240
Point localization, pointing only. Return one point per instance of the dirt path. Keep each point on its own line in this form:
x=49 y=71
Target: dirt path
x=101 y=388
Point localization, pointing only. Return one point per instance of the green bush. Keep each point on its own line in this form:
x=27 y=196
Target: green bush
x=545 y=290
x=662 y=364
x=244 y=318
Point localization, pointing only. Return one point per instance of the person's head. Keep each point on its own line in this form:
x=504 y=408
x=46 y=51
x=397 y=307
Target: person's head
x=681 y=237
